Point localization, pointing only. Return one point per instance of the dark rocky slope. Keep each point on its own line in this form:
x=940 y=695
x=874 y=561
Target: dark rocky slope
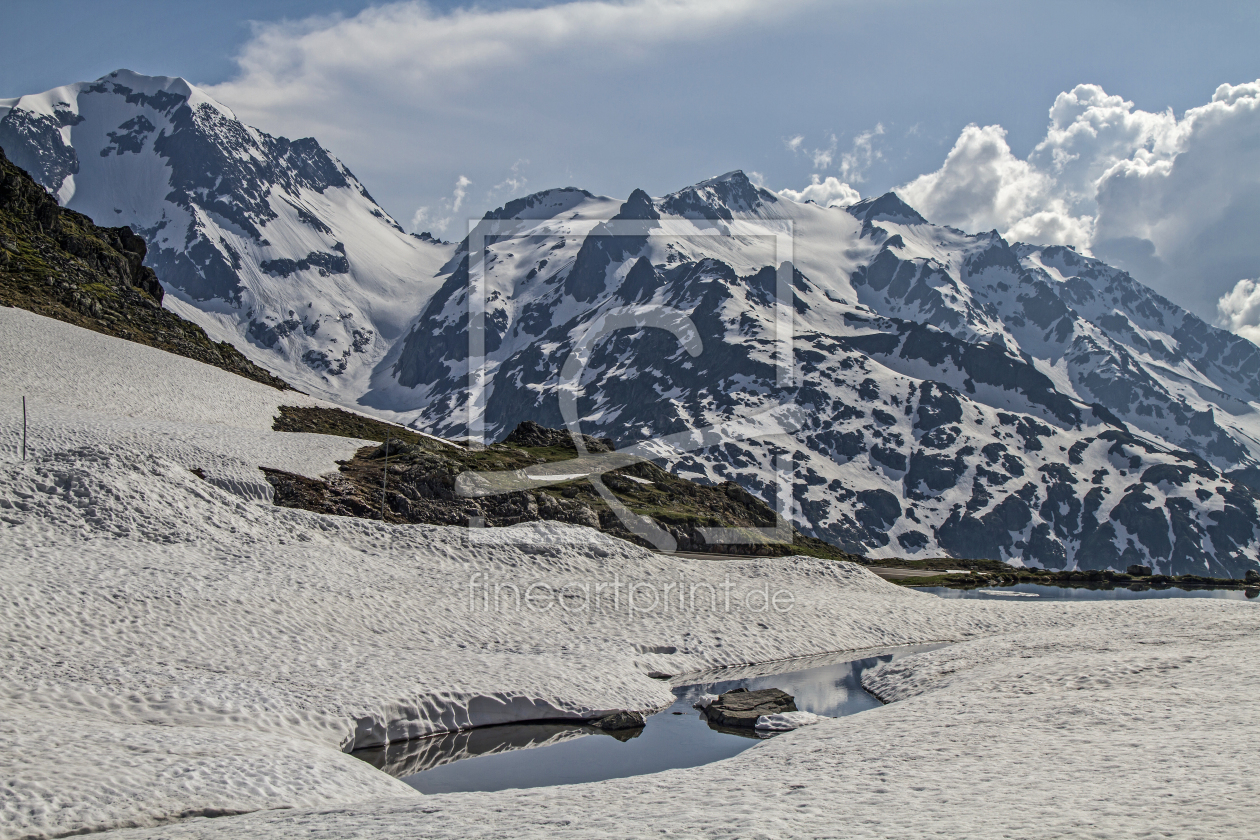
x=59 y=264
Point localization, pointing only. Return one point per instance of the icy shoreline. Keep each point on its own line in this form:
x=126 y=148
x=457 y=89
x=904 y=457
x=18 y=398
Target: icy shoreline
x=174 y=649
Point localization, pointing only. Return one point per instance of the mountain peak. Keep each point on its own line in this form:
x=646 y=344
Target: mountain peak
x=886 y=208
x=720 y=197
x=541 y=205
x=638 y=206
x=735 y=176
x=148 y=84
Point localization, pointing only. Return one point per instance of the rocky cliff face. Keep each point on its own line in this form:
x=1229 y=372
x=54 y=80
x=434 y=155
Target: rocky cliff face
x=57 y=263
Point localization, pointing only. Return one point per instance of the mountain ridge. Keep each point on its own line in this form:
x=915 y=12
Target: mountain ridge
x=269 y=243
x=943 y=370
x=961 y=394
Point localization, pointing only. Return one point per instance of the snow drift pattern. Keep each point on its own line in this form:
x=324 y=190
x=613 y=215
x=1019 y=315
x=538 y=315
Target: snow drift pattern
x=175 y=651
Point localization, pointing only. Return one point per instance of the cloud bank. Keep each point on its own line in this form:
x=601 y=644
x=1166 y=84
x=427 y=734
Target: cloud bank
x=450 y=108
x=1176 y=202
x=405 y=92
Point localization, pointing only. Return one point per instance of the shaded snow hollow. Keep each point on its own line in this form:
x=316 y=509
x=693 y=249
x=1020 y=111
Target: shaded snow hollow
x=174 y=650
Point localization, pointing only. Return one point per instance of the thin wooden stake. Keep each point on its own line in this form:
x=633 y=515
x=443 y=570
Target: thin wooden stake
x=23 y=428
x=385 y=477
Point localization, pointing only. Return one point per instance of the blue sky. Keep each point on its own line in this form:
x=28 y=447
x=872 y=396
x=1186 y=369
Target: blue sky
x=445 y=110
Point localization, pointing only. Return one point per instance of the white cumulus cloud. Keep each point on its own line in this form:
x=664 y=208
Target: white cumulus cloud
x=1175 y=201
x=983 y=186
x=440 y=221
x=854 y=163
x=1239 y=310
x=828 y=193
x=461 y=190
x=1183 y=214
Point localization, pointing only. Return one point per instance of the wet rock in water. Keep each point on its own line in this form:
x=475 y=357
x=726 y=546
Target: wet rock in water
x=1251 y=593
x=1139 y=571
x=620 y=720
x=1253 y=577
x=740 y=707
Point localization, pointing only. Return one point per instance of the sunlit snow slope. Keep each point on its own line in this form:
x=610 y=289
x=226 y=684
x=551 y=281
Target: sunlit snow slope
x=270 y=244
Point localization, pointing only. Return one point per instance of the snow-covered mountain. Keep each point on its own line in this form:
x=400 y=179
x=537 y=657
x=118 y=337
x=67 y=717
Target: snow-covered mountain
x=963 y=395
x=267 y=243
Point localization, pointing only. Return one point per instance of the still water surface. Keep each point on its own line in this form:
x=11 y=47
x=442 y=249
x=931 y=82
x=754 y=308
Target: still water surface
x=1032 y=592
x=542 y=754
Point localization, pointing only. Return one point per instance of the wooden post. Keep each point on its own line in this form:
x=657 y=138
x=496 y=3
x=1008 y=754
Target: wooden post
x=385 y=477
x=23 y=428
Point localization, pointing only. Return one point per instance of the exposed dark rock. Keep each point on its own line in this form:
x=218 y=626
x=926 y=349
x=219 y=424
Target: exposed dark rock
x=719 y=197
x=34 y=144
x=602 y=248
x=936 y=472
x=1148 y=524
x=422 y=474
x=740 y=707
x=880 y=509
x=1138 y=571
x=913 y=540
x=938 y=405
x=619 y=721
x=889 y=457
x=326 y=263
x=530 y=433
x=887 y=207
x=965 y=535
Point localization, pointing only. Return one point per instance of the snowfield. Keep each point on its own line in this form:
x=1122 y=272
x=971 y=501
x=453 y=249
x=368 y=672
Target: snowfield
x=175 y=649
x=87 y=389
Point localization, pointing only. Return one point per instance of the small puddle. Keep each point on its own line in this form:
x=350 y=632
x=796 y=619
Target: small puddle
x=1034 y=592
x=558 y=753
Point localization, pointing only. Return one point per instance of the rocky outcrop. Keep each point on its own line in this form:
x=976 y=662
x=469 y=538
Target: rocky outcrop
x=740 y=708
x=530 y=433
x=420 y=487
x=619 y=721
